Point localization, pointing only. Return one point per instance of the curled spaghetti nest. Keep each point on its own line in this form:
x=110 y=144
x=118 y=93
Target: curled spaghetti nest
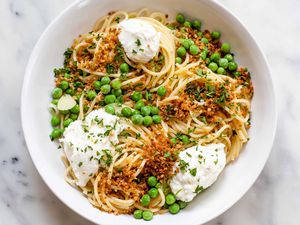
x=208 y=107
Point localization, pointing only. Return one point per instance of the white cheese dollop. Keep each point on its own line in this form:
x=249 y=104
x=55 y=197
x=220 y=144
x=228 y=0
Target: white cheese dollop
x=88 y=143
x=199 y=167
x=139 y=39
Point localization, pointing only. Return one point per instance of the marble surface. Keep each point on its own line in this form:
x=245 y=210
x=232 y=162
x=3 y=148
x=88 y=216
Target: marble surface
x=273 y=200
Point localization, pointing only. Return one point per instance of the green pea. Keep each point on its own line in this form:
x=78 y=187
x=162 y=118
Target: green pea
x=136 y=96
x=225 y=48
x=187 y=23
x=173 y=140
x=146 y=110
x=145 y=200
x=70 y=91
x=74 y=116
x=178 y=60
x=153 y=192
x=117 y=92
x=170 y=199
x=126 y=111
x=138 y=214
x=185 y=139
x=215 y=57
x=180 y=18
x=147 y=121
x=67 y=75
x=215 y=35
x=223 y=63
x=109 y=99
x=154 y=110
x=91 y=95
x=109 y=109
x=174 y=209
x=232 y=66
x=182 y=204
x=75 y=109
x=194 y=50
x=136 y=112
x=196 y=24
x=221 y=70
x=105 y=80
x=203 y=55
x=213 y=66
x=56 y=133
x=148 y=95
x=97 y=85
x=120 y=99
x=64 y=85
x=137 y=119
x=161 y=91
x=156 y=119
x=57 y=93
x=116 y=84
x=124 y=68
x=147 y=215
x=55 y=121
x=229 y=57
x=186 y=43
x=152 y=181
x=105 y=89
x=199 y=34
x=139 y=104
x=204 y=40
x=67 y=122
x=181 y=51
x=54 y=101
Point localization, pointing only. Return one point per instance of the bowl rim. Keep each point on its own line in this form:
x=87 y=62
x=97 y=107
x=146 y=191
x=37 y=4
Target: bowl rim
x=29 y=67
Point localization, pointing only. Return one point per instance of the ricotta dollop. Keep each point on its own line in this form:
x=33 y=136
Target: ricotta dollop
x=199 y=167
x=88 y=143
x=139 y=39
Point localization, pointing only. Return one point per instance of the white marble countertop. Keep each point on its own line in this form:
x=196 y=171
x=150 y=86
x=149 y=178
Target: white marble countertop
x=275 y=197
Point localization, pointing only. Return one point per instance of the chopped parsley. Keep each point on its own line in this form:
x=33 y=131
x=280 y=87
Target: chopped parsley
x=120 y=54
x=92 y=46
x=117 y=19
x=107 y=157
x=210 y=91
x=203 y=119
x=138 y=135
x=110 y=68
x=138 y=42
x=167 y=154
x=216 y=161
x=188 y=154
x=183 y=165
x=68 y=53
x=199 y=189
x=193 y=172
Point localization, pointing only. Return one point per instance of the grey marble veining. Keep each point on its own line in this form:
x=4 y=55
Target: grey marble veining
x=274 y=198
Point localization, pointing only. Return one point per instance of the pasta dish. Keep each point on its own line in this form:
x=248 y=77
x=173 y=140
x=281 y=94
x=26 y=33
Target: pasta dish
x=148 y=112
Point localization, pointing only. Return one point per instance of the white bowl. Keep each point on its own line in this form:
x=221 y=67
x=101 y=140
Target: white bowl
x=78 y=18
